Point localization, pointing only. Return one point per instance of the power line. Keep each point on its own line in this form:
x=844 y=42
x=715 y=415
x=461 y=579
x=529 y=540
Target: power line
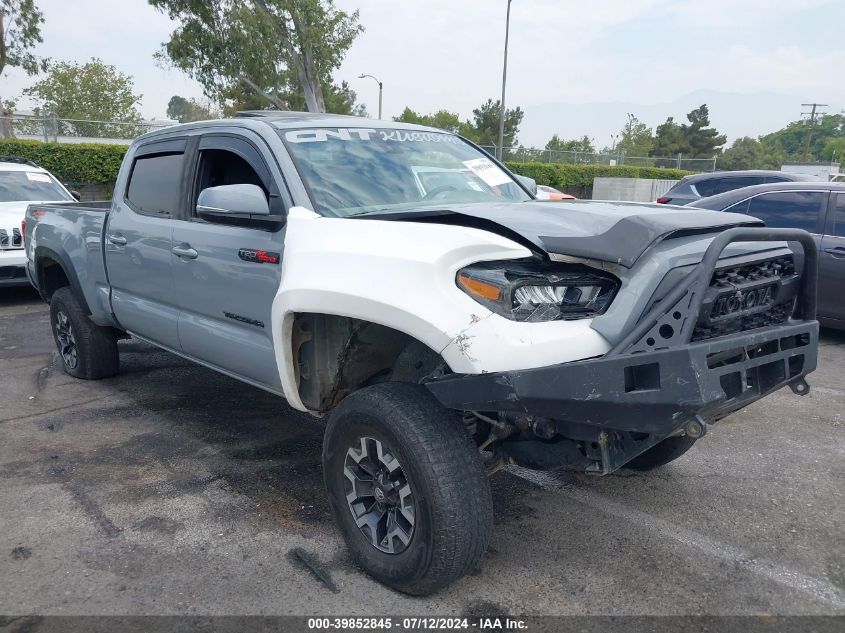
x=812 y=114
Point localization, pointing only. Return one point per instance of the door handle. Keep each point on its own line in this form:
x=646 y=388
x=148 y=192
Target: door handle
x=836 y=251
x=117 y=239
x=185 y=251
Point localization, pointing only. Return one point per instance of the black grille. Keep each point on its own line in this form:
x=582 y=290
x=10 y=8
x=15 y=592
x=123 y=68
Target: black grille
x=14 y=240
x=740 y=288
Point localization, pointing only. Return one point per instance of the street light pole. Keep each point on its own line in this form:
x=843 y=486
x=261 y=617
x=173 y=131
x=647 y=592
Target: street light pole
x=380 y=87
x=504 y=82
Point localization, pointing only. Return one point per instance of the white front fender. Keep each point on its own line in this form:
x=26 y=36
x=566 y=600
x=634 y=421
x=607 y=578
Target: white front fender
x=402 y=275
x=397 y=274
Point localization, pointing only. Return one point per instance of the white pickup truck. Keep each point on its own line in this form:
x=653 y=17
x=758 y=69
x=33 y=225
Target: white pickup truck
x=406 y=285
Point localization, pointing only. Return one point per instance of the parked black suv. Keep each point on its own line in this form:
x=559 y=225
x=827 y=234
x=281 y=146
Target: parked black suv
x=691 y=188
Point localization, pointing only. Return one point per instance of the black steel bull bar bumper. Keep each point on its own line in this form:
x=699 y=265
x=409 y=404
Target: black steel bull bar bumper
x=657 y=389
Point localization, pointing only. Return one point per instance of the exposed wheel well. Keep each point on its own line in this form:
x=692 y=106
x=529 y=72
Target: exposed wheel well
x=335 y=355
x=51 y=277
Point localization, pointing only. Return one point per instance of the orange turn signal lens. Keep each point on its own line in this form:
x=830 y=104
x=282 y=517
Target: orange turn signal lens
x=479 y=288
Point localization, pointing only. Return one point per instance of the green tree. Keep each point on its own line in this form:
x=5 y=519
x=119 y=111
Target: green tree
x=793 y=137
x=744 y=153
x=669 y=139
x=834 y=150
x=583 y=145
x=702 y=141
x=442 y=120
x=92 y=91
x=635 y=139
x=187 y=110
x=20 y=31
x=283 y=50
x=484 y=128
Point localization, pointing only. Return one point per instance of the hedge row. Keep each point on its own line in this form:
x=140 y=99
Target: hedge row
x=70 y=162
x=99 y=163
x=566 y=176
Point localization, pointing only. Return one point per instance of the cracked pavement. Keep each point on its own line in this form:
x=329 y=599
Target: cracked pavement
x=171 y=489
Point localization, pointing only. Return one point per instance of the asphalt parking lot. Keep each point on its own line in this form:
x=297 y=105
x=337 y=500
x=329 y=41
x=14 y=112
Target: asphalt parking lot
x=170 y=489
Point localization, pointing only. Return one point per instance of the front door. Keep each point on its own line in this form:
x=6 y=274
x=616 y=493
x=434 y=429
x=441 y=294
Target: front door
x=225 y=288
x=138 y=242
x=832 y=262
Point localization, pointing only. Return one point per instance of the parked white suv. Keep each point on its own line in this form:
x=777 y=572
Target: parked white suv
x=21 y=183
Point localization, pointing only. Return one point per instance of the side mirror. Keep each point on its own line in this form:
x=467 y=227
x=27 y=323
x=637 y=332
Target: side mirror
x=77 y=196
x=233 y=201
x=528 y=183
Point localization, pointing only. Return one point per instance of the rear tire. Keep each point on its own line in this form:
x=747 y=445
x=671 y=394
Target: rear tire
x=661 y=454
x=407 y=487
x=86 y=349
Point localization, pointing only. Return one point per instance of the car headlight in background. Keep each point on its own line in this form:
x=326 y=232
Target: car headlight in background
x=527 y=291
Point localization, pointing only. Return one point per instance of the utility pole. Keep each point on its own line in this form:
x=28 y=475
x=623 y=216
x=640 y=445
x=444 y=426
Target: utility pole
x=812 y=122
x=504 y=82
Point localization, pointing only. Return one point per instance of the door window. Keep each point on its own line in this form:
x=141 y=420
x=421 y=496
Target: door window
x=218 y=167
x=788 y=209
x=839 y=216
x=155 y=184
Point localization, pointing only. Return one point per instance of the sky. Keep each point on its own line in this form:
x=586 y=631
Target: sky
x=575 y=66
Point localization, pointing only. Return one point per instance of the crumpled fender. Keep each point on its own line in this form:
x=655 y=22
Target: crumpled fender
x=402 y=275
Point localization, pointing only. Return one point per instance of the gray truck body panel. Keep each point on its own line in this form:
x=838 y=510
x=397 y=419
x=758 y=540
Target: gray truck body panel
x=132 y=272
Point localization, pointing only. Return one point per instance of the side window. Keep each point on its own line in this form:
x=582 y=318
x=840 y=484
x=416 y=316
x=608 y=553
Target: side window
x=707 y=188
x=789 y=209
x=221 y=167
x=155 y=184
x=839 y=216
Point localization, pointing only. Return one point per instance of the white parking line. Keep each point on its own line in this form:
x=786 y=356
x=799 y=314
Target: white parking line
x=819 y=589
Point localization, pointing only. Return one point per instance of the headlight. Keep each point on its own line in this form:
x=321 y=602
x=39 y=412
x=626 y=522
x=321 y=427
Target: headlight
x=527 y=291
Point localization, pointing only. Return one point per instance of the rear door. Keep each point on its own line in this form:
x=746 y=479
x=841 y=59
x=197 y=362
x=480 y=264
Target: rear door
x=225 y=292
x=832 y=261
x=138 y=240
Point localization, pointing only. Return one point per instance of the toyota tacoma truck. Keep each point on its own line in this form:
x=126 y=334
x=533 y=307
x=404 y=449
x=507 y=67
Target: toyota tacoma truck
x=405 y=285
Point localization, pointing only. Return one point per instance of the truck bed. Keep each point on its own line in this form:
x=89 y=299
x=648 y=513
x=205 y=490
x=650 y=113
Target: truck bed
x=73 y=237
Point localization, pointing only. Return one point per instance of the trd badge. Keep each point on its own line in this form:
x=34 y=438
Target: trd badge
x=259 y=257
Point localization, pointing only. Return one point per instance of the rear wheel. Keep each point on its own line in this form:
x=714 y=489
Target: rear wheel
x=407 y=487
x=86 y=350
x=661 y=454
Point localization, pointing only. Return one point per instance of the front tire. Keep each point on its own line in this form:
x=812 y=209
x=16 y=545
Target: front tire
x=86 y=349
x=662 y=453
x=407 y=487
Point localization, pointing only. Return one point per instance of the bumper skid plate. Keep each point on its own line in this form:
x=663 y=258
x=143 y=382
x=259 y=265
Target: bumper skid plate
x=632 y=398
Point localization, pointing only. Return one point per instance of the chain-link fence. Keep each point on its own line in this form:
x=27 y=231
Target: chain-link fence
x=533 y=155
x=50 y=128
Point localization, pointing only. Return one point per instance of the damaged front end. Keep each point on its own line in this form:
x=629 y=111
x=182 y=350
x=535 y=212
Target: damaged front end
x=722 y=338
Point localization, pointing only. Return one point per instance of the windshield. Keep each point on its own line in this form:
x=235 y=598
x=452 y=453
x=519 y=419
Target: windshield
x=30 y=186
x=350 y=171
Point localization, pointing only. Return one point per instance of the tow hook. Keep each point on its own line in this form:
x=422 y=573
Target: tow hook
x=800 y=387
x=696 y=427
